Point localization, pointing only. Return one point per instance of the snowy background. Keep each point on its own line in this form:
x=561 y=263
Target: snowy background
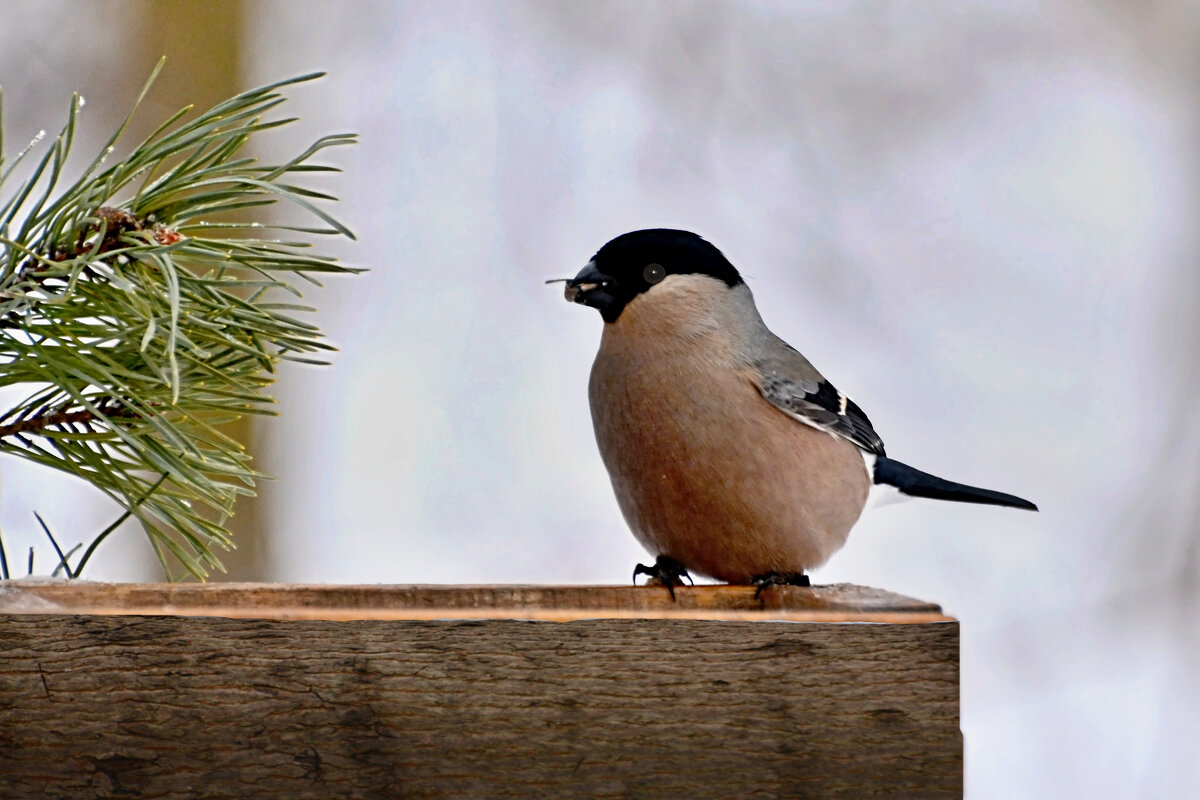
x=978 y=220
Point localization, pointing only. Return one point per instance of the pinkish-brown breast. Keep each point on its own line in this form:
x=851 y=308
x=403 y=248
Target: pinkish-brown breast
x=705 y=470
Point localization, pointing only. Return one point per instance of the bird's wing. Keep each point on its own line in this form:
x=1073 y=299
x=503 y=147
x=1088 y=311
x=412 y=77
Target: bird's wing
x=791 y=384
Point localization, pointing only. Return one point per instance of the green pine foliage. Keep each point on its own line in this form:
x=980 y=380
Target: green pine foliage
x=138 y=315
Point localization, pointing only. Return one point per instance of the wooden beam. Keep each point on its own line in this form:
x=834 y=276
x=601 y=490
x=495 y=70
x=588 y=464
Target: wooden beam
x=366 y=694
x=839 y=602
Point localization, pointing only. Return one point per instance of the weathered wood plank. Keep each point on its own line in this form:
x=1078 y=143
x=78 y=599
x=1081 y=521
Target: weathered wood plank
x=156 y=707
x=840 y=602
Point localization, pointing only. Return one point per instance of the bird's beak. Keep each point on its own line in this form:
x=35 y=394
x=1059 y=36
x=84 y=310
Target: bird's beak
x=590 y=287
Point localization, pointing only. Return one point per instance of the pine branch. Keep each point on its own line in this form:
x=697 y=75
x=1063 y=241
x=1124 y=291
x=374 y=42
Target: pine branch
x=60 y=419
x=140 y=316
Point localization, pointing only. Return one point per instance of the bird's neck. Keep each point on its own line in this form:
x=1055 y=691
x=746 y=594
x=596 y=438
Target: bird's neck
x=686 y=315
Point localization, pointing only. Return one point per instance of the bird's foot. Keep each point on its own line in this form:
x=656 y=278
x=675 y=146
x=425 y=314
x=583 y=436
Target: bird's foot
x=666 y=572
x=778 y=579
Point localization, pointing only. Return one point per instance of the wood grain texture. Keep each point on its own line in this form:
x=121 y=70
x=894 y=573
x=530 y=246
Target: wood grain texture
x=641 y=696
x=836 y=603
x=181 y=707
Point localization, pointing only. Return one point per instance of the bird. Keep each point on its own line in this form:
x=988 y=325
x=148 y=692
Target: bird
x=730 y=455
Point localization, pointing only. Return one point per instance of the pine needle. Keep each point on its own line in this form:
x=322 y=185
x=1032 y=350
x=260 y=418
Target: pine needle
x=138 y=315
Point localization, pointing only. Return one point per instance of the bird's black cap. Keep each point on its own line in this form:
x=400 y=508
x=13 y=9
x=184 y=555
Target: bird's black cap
x=633 y=262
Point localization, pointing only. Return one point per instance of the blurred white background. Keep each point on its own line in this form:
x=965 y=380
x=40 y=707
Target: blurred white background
x=979 y=220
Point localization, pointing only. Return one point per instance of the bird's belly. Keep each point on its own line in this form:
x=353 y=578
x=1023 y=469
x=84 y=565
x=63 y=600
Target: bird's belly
x=707 y=472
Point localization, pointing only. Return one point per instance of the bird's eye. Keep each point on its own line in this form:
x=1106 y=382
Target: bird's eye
x=653 y=273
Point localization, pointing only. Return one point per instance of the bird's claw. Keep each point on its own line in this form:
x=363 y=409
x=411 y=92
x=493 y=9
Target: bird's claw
x=666 y=572
x=778 y=579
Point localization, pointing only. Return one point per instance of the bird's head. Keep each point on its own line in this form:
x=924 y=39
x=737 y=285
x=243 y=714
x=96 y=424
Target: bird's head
x=635 y=263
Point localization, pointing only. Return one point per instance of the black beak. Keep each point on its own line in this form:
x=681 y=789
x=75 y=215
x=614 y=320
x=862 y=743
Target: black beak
x=591 y=287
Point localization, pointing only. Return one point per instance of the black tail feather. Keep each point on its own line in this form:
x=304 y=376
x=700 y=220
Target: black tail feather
x=915 y=483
